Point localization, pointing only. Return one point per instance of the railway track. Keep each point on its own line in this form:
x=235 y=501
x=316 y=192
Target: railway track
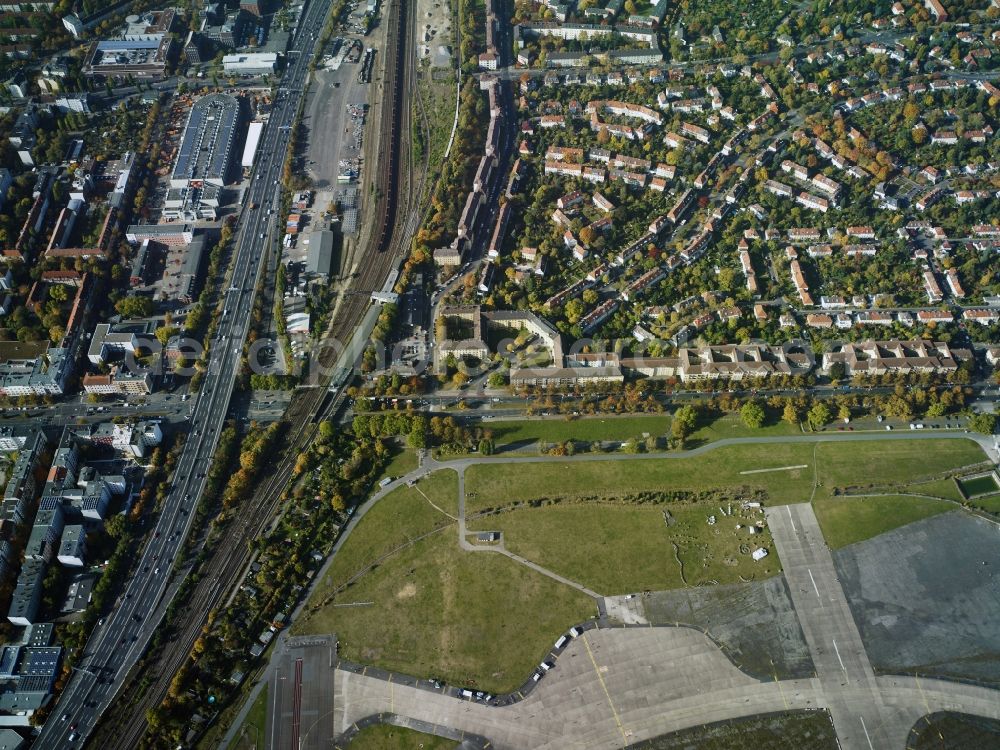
x=126 y=727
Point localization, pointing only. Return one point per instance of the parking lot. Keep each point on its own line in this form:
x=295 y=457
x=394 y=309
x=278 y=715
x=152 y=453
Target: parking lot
x=335 y=111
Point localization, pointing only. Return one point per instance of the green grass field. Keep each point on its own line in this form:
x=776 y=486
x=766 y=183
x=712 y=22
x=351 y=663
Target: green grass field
x=893 y=461
x=402 y=515
x=982 y=485
x=388 y=737
x=731 y=426
x=403 y=462
x=470 y=618
x=252 y=732
x=585 y=429
x=989 y=503
x=840 y=464
x=483 y=620
x=629 y=548
x=945 y=488
x=846 y=520
x=611 y=427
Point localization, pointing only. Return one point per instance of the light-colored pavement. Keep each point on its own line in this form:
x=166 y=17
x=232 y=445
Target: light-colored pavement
x=609 y=688
x=613 y=687
x=842 y=665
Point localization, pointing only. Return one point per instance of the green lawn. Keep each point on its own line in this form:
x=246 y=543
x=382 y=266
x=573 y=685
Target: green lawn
x=584 y=429
x=847 y=520
x=617 y=549
x=856 y=464
x=893 y=461
x=982 y=485
x=611 y=427
x=731 y=426
x=253 y=731
x=467 y=617
x=990 y=503
x=945 y=488
x=388 y=737
x=402 y=515
x=403 y=462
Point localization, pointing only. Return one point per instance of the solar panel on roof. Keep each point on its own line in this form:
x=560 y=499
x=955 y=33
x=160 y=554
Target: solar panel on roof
x=8 y=660
x=116 y=45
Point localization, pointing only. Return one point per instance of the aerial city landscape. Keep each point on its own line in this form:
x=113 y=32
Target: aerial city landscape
x=517 y=374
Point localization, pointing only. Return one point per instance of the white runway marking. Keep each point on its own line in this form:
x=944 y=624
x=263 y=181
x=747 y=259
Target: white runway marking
x=776 y=468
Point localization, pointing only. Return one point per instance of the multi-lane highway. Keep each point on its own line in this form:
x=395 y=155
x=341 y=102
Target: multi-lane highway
x=119 y=641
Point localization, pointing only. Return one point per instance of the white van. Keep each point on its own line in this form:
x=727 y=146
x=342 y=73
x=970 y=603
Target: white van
x=575 y=632
x=467 y=694
x=561 y=643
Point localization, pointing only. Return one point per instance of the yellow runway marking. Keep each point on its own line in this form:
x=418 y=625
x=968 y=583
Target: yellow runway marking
x=600 y=679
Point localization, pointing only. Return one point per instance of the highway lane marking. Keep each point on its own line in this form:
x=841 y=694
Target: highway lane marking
x=815 y=588
x=867 y=737
x=597 y=671
x=838 y=656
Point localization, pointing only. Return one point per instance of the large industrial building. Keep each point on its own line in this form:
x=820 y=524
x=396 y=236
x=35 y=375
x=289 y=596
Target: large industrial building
x=142 y=50
x=250 y=63
x=145 y=58
x=254 y=132
x=319 y=261
x=207 y=144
